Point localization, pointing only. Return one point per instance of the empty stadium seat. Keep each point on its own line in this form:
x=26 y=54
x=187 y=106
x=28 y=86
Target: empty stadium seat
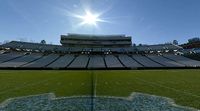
x=62 y=62
x=80 y=62
x=183 y=60
x=112 y=62
x=9 y=56
x=128 y=61
x=146 y=62
x=166 y=62
x=96 y=61
x=42 y=62
x=21 y=60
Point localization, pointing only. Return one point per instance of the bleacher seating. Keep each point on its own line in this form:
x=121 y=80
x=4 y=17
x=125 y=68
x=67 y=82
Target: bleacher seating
x=183 y=60
x=36 y=55
x=42 y=62
x=128 y=61
x=2 y=51
x=80 y=62
x=59 y=48
x=160 y=47
x=56 y=61
x=21 y=60
x=9 y=56
x=62 y=62
x=96 y=61
x=146 y=62
x=164 y=61
x=31 y=46
x=112 y=62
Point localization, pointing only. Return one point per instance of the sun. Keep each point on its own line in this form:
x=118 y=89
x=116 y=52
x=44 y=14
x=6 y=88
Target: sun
x=89 y=18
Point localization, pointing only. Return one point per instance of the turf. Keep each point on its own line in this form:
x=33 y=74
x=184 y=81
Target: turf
x=181 y=85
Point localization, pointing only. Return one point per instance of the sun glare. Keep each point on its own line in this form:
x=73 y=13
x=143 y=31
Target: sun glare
x=89 y=18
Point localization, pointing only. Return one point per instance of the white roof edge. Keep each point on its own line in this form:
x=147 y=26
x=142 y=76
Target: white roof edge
x=123 y=35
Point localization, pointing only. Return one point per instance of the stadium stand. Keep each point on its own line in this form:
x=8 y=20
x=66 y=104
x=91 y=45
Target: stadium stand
x=112 y=62
x=21 y=60
x=118 y=50
x=9 y=56
x=2 y=51
x=42 y=62
x=192 y=53
x=128 y=61
x=62 y=62
x=146 y=62
x=97 y=62
x=95 y=40
x=80 y=62
x=160 y=47
x=183 y=60
x=130 y=49
x=95 y=52
x=164 y=61
x=31 y=46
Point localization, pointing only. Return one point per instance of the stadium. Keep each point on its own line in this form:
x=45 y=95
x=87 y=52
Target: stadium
x=99 y=55
x=93 y=52
x=97 y=72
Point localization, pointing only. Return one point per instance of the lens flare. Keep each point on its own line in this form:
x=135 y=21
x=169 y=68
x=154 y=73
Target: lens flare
x=89 y=18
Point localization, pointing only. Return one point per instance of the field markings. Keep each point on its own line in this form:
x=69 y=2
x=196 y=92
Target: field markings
x=167 y=87
x=95 y=84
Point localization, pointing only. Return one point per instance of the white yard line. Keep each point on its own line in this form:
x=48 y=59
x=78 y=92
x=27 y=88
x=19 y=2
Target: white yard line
x=95 y=84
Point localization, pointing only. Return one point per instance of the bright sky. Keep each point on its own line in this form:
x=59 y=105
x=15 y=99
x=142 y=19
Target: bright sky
x=147 y=21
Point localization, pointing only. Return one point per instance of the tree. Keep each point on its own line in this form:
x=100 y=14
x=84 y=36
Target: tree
x=140 y=45
x=195 y=39
x=43 y=42
x=175 y=42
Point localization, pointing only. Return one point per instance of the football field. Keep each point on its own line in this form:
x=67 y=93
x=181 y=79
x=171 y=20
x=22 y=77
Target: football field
x=181 y=85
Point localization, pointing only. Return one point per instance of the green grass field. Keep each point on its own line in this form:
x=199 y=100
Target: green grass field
x=181 y=85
